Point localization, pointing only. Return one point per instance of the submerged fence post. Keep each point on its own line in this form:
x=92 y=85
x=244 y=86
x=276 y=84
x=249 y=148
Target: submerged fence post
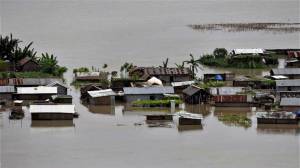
x=172 y=106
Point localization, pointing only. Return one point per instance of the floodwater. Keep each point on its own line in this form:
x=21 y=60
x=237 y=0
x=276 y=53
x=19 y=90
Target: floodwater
x=91 y=33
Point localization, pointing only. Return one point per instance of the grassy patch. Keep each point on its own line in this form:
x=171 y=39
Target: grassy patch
x=235 y=120
x=210 y=84
x=155 y=103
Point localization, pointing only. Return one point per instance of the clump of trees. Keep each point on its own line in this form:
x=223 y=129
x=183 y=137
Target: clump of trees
x=220 y=58
x=12 y=53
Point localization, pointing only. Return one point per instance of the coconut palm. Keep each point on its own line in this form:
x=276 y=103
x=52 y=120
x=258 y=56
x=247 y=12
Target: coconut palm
x=194 y=64
x=165 y=63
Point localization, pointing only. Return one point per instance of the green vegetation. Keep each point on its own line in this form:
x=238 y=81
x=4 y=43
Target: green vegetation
x=236 y=120
x=11 y=52
x=220 y=58
x=155 y=103
x=194 y=65
x=49 y=65
x=210 y=84
x=220 y=52
x=81 y=69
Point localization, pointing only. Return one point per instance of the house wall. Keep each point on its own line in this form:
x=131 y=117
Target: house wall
x=61 y=90
x=182 y=78
x=290 y=108
x=285 y=88
x=6 y=96
x=32 y=97
x=30 y=66
x=107 y=100
x=131 y=98
x=293 y=76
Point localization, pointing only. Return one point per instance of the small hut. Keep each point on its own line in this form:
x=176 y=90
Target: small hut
x=61 y=88
x=195 y=95
x=101 y=97
x=28 y=64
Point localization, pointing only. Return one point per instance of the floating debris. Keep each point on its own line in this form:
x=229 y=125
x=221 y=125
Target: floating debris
x=243 y=27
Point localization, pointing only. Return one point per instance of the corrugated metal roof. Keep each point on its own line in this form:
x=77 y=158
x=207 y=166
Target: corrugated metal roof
x=295 y=82
x=226 y=90
x=290 y=102
x=286 y=71
x=184 y=83
x=33 y=81
x=148 y=90
x=37 y=90
x=248 y=51
x=101 y=93
x=7 y=89
x=57 y=83
x=191 y=90
x=51 y=108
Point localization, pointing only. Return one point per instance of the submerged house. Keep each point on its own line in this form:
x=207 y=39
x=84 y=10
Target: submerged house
x=146 y=93
x=61 y=88
x=28 y=64
x=166 y=75
x=291 y=73
x=52 y=112
x=101 y=97
x=87 y=76
x=62 y=99
x=195 y=95
x=91 y=87
x=180 y=86
x=32 y=82
x=288 y=85
x=231 y=97
x=35 y=93
x=288 y=88
x=290 y=104
x=6 y=93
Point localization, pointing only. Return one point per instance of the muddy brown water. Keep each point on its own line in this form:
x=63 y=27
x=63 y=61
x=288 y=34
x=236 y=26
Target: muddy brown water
x=91 y=33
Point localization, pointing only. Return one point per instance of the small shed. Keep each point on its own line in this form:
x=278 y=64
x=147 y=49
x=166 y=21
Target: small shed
x=290 y=104
x=61 y=88
x=35 y=93
x=28 y=64
x=52 y=112
x=195 y=95
x=146 y=93
x=62 y=99
x=101 y=97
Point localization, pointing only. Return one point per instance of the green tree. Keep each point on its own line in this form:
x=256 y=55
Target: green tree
x=194 y=64
x=220 y=53
x=49 y=64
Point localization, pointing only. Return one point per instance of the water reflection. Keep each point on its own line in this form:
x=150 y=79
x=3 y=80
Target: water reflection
x=278 y=129
x=186 y=128
x=52 y=123
x=40 y=126
x=102 y=109
x=204 y=109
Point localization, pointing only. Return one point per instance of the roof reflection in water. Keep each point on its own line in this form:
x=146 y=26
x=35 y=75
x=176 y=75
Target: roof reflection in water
x=278 y=129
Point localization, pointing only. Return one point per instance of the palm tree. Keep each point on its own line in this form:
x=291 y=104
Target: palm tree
x=194 y=64
x=165 y=63
x=8 y=45
x=181 y=66
x=126 y=67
